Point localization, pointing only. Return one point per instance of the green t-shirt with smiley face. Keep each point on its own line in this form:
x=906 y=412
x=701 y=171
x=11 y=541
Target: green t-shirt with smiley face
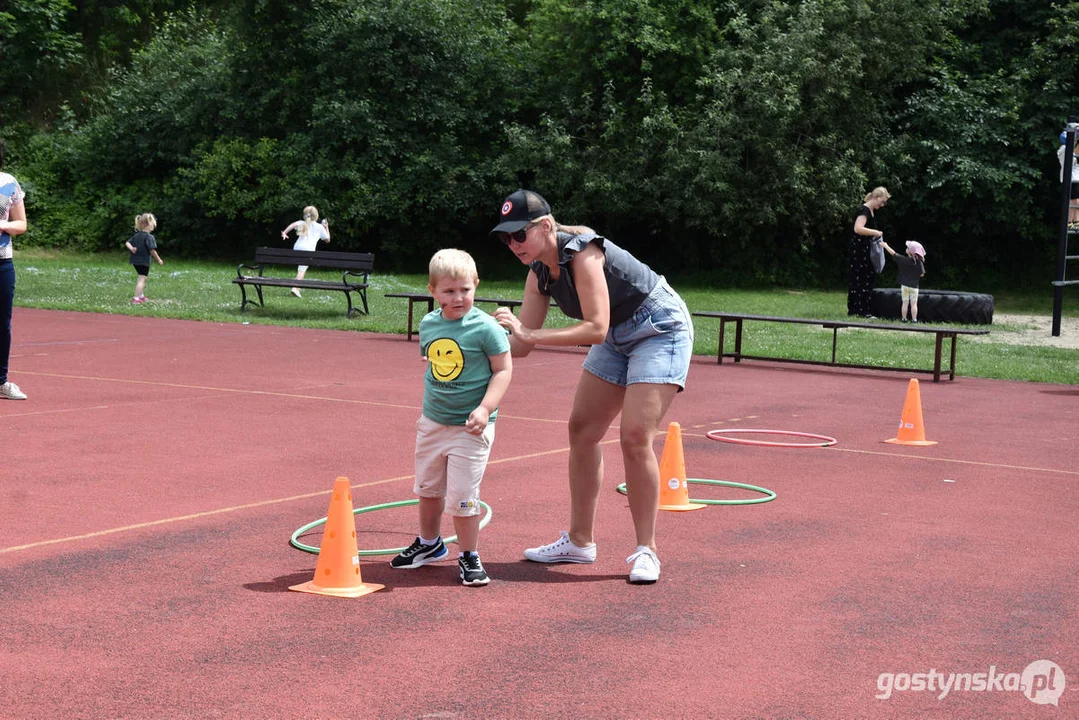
x=458 y=365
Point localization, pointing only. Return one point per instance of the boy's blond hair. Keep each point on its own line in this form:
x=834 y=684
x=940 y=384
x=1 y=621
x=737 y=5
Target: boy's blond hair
x=452 y=263
x=145 y=222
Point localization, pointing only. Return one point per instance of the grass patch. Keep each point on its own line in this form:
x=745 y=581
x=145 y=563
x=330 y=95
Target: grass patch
x=202 y=290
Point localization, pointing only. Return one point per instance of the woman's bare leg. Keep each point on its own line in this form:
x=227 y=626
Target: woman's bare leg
x=595 y=407
x=643 y=411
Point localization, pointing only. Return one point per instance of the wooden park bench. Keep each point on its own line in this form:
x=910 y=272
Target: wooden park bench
x=414 y=298
x=355 y=267
x=835 y=326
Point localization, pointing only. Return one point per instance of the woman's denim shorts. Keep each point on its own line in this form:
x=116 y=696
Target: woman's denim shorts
x=654 y=346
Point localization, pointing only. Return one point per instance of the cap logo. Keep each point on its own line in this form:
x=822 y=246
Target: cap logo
x=507 y=207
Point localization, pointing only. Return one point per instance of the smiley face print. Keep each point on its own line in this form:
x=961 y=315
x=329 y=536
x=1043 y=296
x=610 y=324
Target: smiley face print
x=447 y=360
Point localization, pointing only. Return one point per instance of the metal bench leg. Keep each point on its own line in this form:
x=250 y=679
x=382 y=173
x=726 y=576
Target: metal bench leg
x=408 y=336
x=722 y=326
x=951 y=368
x=936 y=359
x=243 y=297
x=348 y=296
x=430 y=307
x=835 y=337
x=258 y=289
x=738 y=340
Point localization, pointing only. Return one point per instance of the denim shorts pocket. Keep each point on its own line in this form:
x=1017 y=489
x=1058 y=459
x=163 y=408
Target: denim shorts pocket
x=664 y=321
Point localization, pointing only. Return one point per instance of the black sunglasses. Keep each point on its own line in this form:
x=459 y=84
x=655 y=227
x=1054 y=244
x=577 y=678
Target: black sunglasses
x=517 y=236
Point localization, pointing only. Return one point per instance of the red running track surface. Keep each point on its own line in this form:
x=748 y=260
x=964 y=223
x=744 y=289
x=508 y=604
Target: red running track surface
x=152 y=480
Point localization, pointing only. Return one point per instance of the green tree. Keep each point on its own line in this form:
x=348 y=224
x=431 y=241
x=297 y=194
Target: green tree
x=38 y=53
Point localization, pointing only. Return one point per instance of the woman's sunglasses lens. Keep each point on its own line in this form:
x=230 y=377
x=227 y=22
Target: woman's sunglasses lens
x=517 y=237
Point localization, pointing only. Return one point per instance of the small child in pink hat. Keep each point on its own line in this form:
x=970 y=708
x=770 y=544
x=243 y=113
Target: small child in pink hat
x=911 y=269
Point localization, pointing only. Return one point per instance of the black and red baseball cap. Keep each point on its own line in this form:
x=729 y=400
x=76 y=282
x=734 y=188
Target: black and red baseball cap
x=519 y=209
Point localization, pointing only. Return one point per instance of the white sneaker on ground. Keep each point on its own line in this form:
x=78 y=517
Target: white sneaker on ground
x=296 y=292
x=645 y=565
x=562 y=550
x=11 y=391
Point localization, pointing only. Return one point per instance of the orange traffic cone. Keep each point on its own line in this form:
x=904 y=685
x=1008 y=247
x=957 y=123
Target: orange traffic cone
x=911 y=430
x=673 y=488
x=337 y=572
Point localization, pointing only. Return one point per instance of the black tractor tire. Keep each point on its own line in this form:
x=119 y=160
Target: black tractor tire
x=943 y=306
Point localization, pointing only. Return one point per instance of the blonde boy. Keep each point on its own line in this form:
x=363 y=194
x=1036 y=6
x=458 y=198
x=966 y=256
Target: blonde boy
x=468 y=372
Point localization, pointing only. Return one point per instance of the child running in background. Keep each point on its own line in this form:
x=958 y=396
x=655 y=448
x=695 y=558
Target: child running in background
x=468 y=372
x=309 y=232
x=911 y=270
x=142 y=247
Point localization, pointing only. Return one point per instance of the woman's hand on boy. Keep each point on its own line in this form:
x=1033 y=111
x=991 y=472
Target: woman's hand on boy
x=511 y=322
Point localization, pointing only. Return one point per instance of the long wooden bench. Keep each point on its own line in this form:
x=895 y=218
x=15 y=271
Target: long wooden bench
x=356 y=269
x=835 y=326
x=414 y=298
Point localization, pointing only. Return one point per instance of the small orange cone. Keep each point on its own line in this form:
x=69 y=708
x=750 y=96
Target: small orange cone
x=673 y=488
x=911 y=430
x=337 y=572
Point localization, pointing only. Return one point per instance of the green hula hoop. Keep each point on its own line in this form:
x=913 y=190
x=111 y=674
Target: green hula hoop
x=769 y=495
x=295 y=542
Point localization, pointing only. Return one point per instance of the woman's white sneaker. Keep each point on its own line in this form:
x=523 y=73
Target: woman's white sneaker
x=645 y=565
x=11 y=391
x=562 y=550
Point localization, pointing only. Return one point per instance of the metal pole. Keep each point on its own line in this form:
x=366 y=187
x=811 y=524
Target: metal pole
x=1062 y=248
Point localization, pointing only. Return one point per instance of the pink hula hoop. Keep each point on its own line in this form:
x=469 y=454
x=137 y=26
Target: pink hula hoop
x=718 y=435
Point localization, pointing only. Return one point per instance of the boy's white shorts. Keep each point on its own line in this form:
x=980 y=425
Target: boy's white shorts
x=908 y=293
x=450 y=463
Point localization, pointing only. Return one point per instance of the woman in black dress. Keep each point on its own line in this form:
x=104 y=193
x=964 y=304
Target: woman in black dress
x=861 y=273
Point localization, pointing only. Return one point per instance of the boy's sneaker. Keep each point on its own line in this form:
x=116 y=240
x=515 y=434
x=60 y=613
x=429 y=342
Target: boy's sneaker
x=472 y=572
x=418 y=554
x=11 y=391
x=561 y=550
x=296 y=292
x=645 y=565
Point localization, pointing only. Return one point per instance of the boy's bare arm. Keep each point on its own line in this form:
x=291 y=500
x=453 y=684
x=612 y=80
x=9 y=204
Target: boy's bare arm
x=501 y=372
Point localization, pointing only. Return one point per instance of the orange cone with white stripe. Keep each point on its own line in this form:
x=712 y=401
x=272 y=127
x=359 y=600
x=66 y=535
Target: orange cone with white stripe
x=673 y=487
x=337 y=572
x=911 y=430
